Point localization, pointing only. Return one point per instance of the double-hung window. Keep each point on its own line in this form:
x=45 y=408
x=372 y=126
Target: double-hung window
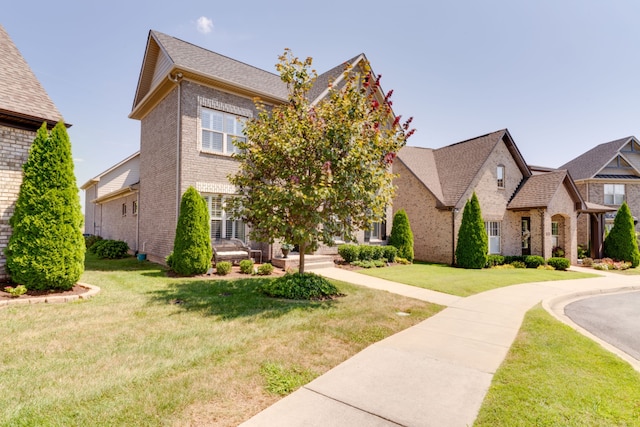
x=493 y=232
x=219 y=130
x=555 y=234
x=500 y=176
x=613 y=194
x=223 y=226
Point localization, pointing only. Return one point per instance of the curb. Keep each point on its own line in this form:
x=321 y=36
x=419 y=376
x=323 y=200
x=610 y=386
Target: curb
x=55 y=299
x=555 y=306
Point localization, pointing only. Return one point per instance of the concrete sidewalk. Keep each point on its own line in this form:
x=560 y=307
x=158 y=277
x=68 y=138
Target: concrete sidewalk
x=433 y=374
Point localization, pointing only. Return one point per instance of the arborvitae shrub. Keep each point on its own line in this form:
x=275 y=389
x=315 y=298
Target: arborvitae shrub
x=401 y=235
x=473 y=245
x=46 y=248
x=192 y=245
x=621 y=243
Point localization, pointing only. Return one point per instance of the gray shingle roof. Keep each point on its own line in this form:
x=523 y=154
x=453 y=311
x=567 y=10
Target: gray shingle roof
x=588 y=164
x=422 y=163
x=21 y=94
x=538 y=190
x=322 y=82
x=459 y=163
x=214 y=65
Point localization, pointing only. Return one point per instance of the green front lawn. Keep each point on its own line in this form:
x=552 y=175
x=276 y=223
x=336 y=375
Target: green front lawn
x=462 y=282
x=554 y=376
x=154 y=350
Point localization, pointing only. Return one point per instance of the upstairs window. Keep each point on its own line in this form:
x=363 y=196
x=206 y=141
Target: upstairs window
x=500 y=176
x=613 y=194
x=124 y=209
x=134 y=207
x=219 y=131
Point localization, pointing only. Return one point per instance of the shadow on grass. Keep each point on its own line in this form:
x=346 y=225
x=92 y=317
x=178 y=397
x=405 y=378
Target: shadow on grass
x=93 y=263
x=229 y=299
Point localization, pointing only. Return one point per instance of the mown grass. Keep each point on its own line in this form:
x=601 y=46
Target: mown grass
x=153 y=350
x=554 y=376
x=463 y=282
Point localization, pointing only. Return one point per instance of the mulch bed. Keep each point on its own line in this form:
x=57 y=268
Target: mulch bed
x=76 y=290
x=234 y=274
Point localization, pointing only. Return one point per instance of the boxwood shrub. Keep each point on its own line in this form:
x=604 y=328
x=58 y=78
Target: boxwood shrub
x=303 y=286
x=349 y=252
x=494 y=260
x=223 y=268
x=111 y=249
x=559 y=263
x=533 y=261
x=246 y=266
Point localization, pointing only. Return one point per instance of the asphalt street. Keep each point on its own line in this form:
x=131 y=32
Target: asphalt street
x=613 y=318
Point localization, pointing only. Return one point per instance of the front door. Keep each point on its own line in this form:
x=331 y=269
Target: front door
x=526 y=235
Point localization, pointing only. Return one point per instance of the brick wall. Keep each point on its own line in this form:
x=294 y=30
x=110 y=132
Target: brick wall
x=116 y=226
x=14 y=150
x=157 y=208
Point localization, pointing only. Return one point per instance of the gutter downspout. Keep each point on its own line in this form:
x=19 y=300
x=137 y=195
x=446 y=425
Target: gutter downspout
x=138 y=221
x=176 y=80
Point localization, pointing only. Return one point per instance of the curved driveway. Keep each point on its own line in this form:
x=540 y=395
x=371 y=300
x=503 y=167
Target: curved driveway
x=613 y=318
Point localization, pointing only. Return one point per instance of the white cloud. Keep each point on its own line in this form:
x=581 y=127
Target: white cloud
x=204 y=25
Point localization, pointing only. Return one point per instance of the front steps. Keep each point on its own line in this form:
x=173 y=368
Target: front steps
x=312 y=262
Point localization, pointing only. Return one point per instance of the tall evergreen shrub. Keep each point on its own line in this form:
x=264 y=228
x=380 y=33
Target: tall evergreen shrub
x=401 y=235
x=192 y=245
x=621 y=243
x=473 y=243
x=46 y=249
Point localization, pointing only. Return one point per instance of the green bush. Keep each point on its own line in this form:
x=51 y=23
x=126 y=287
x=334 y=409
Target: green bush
x=378 y=252
x=169 y=260
x=265 y=270
x=511 y=258
x=390 y=253
x=402 y=261
x=582 y=252
x=373 y=263
x=96 y=246
x=559 y=263
x=621 y=242
x=303 y=286
x=246 y=266
x=473 y=243
x=192 y=244
x=366 y=253
x=16 y=291
x=557 y=252
x=223 y=268
x=494 y=260
x=46 y=248
x=90 y=240
x=349 y=253
x=533 y=261
x=401 y=235
x=587 y=262
x=112 y=249
x=518 y=264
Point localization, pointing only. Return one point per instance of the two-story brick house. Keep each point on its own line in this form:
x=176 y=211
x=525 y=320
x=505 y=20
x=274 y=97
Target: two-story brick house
x=191 y=103
x=526 y=212
x=24 y=106
x=608 y=174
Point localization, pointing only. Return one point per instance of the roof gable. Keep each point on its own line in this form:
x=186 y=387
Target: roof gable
x=538 y=190
x=23 y=100
x=590 y=163
x=459 y=164
x=421 y=162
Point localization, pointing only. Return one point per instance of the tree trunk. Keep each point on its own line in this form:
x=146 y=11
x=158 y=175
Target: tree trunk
x=303 y=248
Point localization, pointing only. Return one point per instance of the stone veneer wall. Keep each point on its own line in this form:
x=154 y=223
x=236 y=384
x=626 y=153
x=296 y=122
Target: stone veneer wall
x=14 y=150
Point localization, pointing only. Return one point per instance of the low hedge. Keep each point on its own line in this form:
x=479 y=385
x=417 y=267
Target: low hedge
x=110 y=249
x=559 y=263
x=351 y=253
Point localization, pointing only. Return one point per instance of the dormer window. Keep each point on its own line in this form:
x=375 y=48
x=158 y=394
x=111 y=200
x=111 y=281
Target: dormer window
x=500 y=176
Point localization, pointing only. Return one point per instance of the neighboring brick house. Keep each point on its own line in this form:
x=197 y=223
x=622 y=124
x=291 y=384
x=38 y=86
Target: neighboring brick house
x=608 y=174
x=190 y=102
x=525 y=213
x=24 y=106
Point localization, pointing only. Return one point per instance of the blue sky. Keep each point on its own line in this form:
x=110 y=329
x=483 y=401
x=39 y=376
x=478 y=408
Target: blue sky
x=561 y=75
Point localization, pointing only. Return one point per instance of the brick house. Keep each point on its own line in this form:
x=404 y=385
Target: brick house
x=190 y=102
x=526 y=211
x=608 y=174
x=24 y=106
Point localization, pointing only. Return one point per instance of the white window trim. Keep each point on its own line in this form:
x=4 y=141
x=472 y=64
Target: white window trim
x=487 y=225
x=614 y=194
x=501 y=181
x=224 y=217
x=225 y=135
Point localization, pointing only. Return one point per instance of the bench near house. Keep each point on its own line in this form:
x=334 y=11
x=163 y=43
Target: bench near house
x=24 y=106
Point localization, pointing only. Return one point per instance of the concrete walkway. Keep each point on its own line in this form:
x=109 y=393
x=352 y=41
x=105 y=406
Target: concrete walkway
x=435 y=373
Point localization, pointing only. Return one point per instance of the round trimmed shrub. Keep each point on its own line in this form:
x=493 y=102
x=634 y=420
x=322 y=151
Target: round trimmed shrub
x=559 y=263
x=246 y=266
x=533 y=261
x=390 y=253
x=401 y=235
x=265 y=270
x=349 y=252
x=302 y=286
x=223 y=268
x=112 y=249
x=495 y=260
